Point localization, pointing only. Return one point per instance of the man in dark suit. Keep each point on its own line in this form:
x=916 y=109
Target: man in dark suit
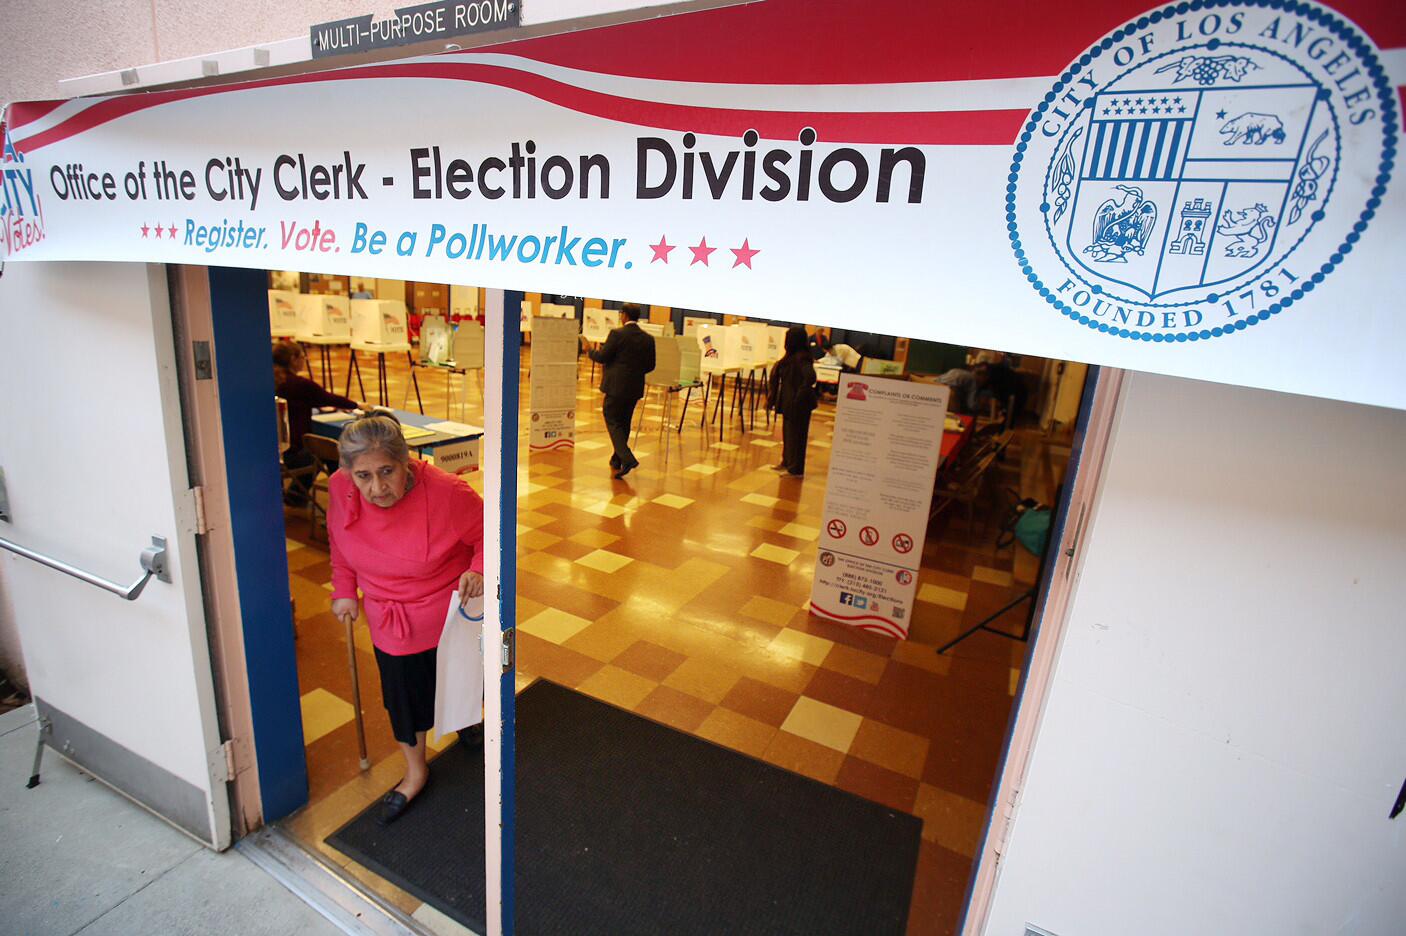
x=626 y=356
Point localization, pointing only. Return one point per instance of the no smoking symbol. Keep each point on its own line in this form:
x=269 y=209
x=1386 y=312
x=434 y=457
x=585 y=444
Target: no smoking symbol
x=836 y=529
x=903 y=543
x=868 y=536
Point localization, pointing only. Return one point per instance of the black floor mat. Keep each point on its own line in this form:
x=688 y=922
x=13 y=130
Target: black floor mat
x=628 y=826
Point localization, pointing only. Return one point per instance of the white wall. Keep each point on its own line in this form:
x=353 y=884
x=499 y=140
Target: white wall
x=1226 y=730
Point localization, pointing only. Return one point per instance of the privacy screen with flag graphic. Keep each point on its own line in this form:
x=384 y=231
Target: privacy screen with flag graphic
x=1204 y=189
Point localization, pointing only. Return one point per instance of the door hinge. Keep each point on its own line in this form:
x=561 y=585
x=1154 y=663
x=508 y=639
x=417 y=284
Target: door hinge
x=201 y=525
x=509 y=648
x=222 y=762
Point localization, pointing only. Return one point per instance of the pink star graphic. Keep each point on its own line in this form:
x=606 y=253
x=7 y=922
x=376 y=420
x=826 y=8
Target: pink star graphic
x=146 y=229
x=702 y=252
x=172 y=229
x=159 y=229
x=661 y=249
x=744 y=254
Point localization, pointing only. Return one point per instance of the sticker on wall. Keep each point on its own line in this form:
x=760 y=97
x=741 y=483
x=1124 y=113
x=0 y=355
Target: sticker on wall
x=1202 y=168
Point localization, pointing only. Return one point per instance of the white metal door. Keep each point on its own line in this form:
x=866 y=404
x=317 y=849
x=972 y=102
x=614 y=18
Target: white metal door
x=94 y=462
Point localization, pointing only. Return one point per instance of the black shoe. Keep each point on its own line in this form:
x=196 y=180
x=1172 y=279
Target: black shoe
x=614 y=463
x=621 y=472
x=394 y=804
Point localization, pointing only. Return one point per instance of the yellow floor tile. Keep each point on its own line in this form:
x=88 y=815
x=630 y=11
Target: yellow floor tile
x=703 y=469
x=603 y=640
x=673 y=500
x=617 y=686
x=533 y=518
x=824 y=724
x=946 y=597
x=800 y=755
x=323 y=713
x=992 y=576
x=764 y=522
x=555 y=625
x=952 y=821
x=593 y=538
x=766 y=443
x=439 y=743
x=777 y=554
x=898 y=750
x=800 y=531
x=589 y=445
x=604 y=561
x=723 y=446
x=605 y=509
x=768 y=610
x=732 y=730
x=703 y=679
x=801 y=646
x=534 y=540
x=760 y=500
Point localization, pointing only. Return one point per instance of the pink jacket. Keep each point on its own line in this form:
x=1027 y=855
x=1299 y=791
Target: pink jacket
x=406 y=559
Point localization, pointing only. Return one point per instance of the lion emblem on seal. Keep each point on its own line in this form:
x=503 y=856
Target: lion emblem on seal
x=1250 y=228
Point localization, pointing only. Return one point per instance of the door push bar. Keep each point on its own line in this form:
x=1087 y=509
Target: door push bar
x=153 y=563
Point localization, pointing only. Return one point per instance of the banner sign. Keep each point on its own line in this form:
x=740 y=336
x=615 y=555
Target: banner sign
x=438 y=20
x=1205 y=191
x=552 y=400
x=883 y=465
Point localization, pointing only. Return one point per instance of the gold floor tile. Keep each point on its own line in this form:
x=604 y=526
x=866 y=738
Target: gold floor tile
x=605 y=509
x=593 y=538
x=603 y=640
x=763 y=522
x=723 y=446
x=604 y=561
x=533 y=518
x=673 y=500
x=1015 y=680
x=436 y=742
x=803 y=756
x=736 y=731
x=923 y=656
x=777 y=554
x=555 y=625
x=941 y=595
x=993 y=576
x=703 y=679
x=800 y=531
x=898 y=750
x=952 y=821
x=766 y=443
x=702 y=469
x=617 y=686
x=293 y=545
x=589 y=445
x=824 y=724
x=768 y=610
x=323 y=713
x=801 y=646
x=529 y=538
x=856 y=663
x=760 y=500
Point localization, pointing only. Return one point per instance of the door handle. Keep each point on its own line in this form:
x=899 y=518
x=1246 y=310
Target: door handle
x=153 y=561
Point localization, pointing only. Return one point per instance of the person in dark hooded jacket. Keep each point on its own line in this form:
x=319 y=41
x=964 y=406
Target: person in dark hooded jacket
x=792 y=394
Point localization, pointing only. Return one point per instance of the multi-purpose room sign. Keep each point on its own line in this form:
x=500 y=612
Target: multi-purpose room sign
x=1207 y=190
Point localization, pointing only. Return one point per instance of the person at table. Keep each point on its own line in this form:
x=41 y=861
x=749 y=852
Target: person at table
x=793 y=395
x=626 y=356
x=971 y=389
x=407 y=534
x=302 y=396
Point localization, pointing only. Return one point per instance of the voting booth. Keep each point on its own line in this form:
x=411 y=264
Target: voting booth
x=378 y=322
x=283 y=313
x=775 y=343
x=666 y=363
x=752 y=341
x=436 y=339
x=596 y=324
x=468 y=346
x=323 y=317
x=722 y=347
x=691 y=323
x=555 y=310
x=658 y=329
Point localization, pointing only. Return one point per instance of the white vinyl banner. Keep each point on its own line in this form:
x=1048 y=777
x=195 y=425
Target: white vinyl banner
x=1201 y=192
x=883 y=465
x=552 y=402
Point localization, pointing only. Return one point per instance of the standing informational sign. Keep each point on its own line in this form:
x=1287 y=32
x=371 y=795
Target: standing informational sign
x=883 y=463
x=553 y=388
x=1206 y=191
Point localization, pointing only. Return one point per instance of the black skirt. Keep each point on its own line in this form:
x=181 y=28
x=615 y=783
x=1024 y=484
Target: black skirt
x=407 y=690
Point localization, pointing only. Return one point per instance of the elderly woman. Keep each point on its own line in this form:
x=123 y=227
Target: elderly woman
x=407 y=534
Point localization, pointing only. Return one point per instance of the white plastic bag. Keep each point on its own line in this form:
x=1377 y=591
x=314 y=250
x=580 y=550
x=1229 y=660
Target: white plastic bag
x=458 y=697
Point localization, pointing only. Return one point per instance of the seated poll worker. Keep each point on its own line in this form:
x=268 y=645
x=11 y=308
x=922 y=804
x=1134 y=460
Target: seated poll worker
x=626 y=356
x=302 y=396
x=407 y=534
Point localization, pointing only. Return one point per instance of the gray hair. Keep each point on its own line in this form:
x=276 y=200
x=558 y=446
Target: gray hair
x=372 y=433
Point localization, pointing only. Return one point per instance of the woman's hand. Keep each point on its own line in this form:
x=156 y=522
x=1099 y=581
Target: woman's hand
x=344 y=609
x=470 y=586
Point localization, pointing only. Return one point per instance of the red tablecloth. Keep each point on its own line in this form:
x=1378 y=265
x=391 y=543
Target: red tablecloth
x=952 y=442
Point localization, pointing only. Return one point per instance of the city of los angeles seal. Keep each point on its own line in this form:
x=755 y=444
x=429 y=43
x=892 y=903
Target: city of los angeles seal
x=1202 y=168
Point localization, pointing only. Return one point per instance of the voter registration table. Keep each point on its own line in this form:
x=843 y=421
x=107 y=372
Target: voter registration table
x=453 y=446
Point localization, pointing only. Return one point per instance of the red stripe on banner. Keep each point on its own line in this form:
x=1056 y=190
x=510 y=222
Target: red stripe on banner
x=553 y=446
x=896 y=630
x=875 y=42
x=24 y=112
x=990 y=127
